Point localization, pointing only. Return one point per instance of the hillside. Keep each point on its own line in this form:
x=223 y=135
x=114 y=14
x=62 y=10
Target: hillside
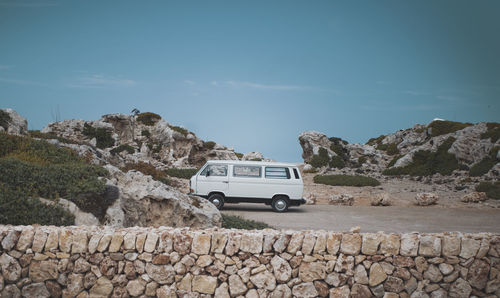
x=64 y=180
x=444 y=154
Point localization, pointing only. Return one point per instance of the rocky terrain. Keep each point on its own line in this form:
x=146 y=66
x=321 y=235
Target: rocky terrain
x=443 y=157
x=128 y=198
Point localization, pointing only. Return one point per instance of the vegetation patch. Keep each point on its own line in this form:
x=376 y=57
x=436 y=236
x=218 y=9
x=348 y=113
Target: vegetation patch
x=492 y=189
x=493 y=132
x=50 y=136
x=181 y=173
x=34 y=168
x=394 y=160
x=17 y=208
x=256 y=159
x=321 y=159
x=155 y=147
x=209 y=145
x=4 y=119
x=486 y=164
x=444 y=127
x=426 y=163
x=237 y=222
x=239 y=155
x=121 y=148
x=337 y=162
x=145 y=133
x=179 y=129
x=147 y=169
x=102 y=136
x=376 y=141
x=148 y=118
x=346 y=180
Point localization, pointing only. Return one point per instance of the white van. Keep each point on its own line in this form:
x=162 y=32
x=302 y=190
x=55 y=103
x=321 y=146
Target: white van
x=230 y=181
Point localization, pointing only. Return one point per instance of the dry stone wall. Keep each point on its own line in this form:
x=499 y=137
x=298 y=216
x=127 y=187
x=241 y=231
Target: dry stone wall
x=39 y=261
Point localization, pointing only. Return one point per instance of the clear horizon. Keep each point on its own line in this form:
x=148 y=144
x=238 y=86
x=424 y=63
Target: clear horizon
x=254 y=75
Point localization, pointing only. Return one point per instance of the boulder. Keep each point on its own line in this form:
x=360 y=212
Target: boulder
x=474 y=197
x=426 y=199
x=146 y=202
x=14 y=124
x=341 y=199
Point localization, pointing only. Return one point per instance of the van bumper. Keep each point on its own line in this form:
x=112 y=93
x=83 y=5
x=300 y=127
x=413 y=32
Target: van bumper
x=297 y=202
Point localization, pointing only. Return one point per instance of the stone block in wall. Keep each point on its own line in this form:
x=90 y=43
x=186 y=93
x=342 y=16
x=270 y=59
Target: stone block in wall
x=233 y=244
x=182 y=243
x=469 y=248
x=308 y=243
x=370 y=243
x=151 y=242
x=390 y=244
x=251 y=242
x=430 y=246
x=25 y=240
x=409 y=245
x=333 y=243
x=39 y=240
x=451 y=246
x=219 y=240
x=80 y=241
x=320 y=245
x=351 y=244
x=65 y=240
x=201 y=244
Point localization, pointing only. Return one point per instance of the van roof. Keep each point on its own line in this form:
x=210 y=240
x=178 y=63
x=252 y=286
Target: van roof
x=251 y=162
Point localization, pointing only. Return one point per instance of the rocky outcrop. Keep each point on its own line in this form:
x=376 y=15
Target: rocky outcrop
x=470 y=145
x=145 y=202
x=426 y=199
x=13 y=123
x=125 y=139
x=165 y=262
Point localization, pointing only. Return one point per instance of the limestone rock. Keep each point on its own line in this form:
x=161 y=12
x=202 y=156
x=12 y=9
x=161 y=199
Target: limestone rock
x=146 y=202
x=341 y=199
x=162 y=274
x=236 y=286
x=306 y=289
x=102 y=288
x=264 y=280
x=426 y=199
x=460 y=288
x=377 y=275
x=474 y=197
x=281 y=291
x=281 y=268
x=11 y=270
x=430 y=246
x=204 y=284
x=340 y=292
x=136 y=287
x=351 y=244
x=312 y=271
x=16 y=125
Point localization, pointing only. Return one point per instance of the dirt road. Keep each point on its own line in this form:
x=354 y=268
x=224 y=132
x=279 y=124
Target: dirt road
x=372 y=219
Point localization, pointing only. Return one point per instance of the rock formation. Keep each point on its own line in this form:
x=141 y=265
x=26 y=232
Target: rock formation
x=122 y=139
x=470 y=144
x=12 y=123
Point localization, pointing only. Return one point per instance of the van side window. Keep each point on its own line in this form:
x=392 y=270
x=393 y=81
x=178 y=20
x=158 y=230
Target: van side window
x=215 y=170
x=277 y=173
x=296 y=173
x=246 y=171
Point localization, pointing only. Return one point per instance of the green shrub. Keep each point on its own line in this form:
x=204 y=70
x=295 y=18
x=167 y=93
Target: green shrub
x=338 y=140
x=50 y=136
x=147 y=169
x=102 y=136
x=148 y=118
x=346 y=180
x=145 y=133
x=493 y=132
x=17 y=208
x=492 y=189
x=444 y=127
x=375 y=141
x=155 y=147
x=181 y=173
x=239 y=155
x=321 y=159
x=209 y=145
x=426 y=163
x=4 y=119
x=35 y=168
x=121 y=148
x=394 y=160
x=237 y=222
x=392 y=149
x=337 y=162
x=482 y=167
x=256 y=159
x=179 y=129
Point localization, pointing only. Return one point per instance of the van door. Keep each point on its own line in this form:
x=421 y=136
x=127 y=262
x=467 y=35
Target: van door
x=213 y=178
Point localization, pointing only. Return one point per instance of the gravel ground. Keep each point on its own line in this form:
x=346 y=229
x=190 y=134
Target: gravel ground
x=372 y=219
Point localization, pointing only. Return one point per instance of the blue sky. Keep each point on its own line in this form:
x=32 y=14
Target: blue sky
x=254 y=74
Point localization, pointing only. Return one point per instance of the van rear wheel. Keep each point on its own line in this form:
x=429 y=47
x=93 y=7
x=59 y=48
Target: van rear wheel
x=280 y=204
x=217 y=200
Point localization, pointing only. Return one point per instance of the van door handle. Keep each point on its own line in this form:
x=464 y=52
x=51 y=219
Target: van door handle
x=225 y=181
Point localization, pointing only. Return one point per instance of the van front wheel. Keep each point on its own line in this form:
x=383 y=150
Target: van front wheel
x=217 y=200
x=280 y=204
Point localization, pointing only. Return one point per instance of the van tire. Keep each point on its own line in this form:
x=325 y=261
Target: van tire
x=280 y=204
x=217 y=200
